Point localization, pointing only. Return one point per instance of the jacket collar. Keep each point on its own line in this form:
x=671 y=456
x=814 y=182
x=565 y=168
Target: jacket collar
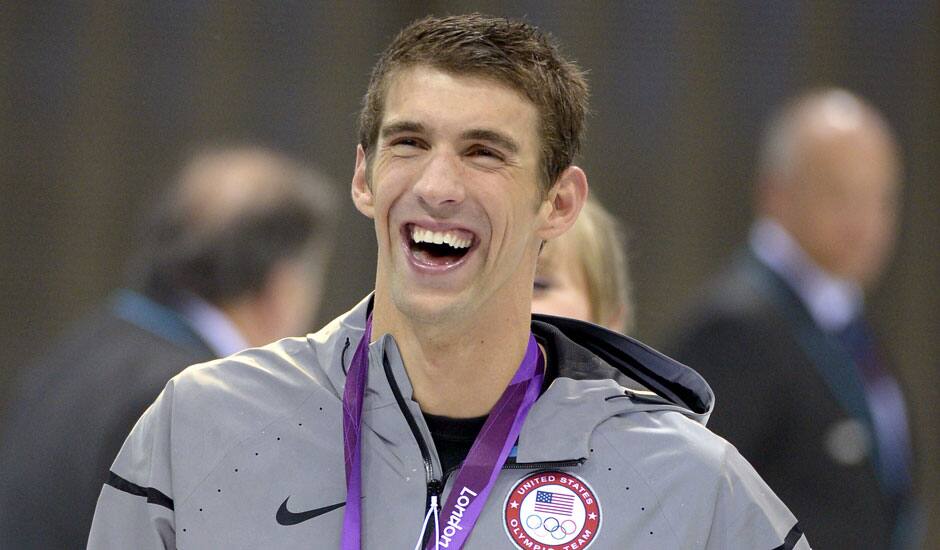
x=599 y=374
x=588 y=351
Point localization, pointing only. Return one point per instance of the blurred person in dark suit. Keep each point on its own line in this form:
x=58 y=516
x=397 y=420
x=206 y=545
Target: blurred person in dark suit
x=583 y=274
x=803 y=388
x=232 y=258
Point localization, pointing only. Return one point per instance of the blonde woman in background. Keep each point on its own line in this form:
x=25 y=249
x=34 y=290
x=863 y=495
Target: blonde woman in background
x=584 y=275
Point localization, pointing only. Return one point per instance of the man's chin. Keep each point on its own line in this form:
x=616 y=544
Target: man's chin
x=430 y=307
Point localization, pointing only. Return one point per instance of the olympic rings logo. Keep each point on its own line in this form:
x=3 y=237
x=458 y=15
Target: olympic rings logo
x=553 y=510
x=557 y=529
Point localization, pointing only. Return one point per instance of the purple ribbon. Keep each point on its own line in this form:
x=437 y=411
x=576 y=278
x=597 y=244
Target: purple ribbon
x=478 y=473
x=352 y=442
x=476 y=476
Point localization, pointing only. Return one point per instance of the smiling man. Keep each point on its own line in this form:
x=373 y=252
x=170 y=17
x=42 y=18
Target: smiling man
x=438 y=413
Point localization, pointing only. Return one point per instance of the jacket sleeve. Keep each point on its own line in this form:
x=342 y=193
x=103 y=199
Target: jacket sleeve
x=747 y=513
x=135 y=507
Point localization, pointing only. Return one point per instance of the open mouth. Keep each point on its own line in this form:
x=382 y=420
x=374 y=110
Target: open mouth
x=438 y=248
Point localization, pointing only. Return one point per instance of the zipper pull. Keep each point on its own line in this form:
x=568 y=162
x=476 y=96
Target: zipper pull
x=435 y=488
x=436 y=506
x=432 y=511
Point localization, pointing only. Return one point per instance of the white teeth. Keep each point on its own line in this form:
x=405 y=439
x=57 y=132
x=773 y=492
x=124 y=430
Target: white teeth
x=450 y=238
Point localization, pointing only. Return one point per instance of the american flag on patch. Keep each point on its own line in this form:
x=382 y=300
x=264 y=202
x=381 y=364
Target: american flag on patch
x=554 y=503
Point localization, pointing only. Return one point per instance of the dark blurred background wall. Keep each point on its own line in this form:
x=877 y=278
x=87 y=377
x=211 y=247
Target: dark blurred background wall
x=98 y=101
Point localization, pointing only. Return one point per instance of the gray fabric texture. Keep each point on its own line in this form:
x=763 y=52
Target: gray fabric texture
x=232 y=441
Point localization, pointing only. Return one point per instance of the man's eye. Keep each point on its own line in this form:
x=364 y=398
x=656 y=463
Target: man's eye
x=541 y=285
x=486 y=152
x=405 y=142
x=405 y=147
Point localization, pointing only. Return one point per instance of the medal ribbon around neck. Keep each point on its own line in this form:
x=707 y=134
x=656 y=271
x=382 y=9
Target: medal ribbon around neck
x=352 y=443
x=474 y=479
x=476 y=476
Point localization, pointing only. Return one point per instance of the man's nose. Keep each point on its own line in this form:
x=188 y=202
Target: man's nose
x=441 y=182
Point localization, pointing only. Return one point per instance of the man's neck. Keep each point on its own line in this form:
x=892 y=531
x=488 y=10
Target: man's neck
x=458 y=370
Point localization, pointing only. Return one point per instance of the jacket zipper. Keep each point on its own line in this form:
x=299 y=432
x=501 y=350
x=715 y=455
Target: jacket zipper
x=519 y=466
x=522 y=466
x=543 y=465
x=434 y=486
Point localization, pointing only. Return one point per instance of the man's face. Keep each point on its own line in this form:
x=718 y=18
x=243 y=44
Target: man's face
x=842 y=207
x=453 y=189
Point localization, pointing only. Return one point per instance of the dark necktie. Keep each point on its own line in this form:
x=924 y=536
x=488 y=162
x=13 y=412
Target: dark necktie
x=885 y=404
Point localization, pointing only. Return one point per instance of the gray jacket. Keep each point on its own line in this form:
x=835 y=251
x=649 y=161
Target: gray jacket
x=246 y=452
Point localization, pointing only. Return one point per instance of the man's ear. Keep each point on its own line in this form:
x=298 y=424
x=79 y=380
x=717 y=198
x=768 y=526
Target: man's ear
x=361 y=191
x=564 y=202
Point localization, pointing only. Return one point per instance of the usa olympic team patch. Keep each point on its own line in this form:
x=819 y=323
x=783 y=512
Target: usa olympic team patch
x=552 y=510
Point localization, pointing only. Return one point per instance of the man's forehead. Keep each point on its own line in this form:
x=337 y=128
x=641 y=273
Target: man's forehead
x=478 y=77
x=867 y=147
x=423 y=99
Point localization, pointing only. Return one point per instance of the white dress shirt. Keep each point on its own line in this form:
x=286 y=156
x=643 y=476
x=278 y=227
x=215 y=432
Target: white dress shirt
x=213 y=326
x=832 y=302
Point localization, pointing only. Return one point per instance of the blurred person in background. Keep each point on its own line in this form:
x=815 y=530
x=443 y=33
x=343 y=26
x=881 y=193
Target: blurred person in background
x=803 y=388
x=233 y=257
x=584 y=274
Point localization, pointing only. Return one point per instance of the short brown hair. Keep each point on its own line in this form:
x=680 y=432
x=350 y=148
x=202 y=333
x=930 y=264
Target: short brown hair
x=511 y=52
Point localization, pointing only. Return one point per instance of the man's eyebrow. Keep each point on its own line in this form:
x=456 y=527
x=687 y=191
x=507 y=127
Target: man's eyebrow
x=402 y=127
x=494 y=137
